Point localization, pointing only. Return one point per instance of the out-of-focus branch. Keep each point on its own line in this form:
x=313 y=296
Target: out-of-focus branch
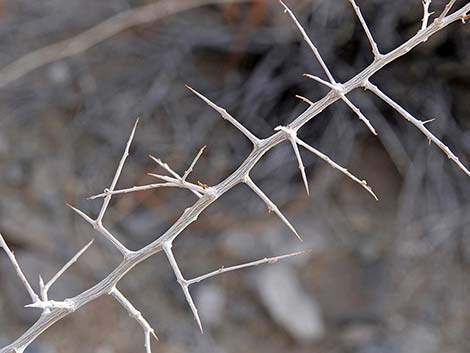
x=97 y=34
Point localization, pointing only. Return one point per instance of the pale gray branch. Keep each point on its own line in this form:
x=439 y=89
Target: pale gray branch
x=418 y=123
x=271 y=205
x=64 y=268
x=269 y=260
x=182 y=282
x=446 y=10
x=19 y=272
x=180 y=182
x=193 y=163
x=137 y=316
x=310 y=43
x=426 y=14
x=339 y=90
x=132 y=189
x=292 y=135
x=335 y=165
x=373 y=44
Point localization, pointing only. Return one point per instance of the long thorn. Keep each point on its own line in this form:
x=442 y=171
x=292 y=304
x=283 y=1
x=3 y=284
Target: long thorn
x=255 y=140
x=335 y=165
x=418 y=123
x=271 y=205
x=309 y=42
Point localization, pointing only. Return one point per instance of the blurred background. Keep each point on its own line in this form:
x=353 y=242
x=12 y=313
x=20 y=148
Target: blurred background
x=381 y=277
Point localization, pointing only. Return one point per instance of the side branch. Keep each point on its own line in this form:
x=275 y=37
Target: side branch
x=309 y=42
x=418 y=123
x=266 y=260
x=182 y=282
x=45 y=287
x=271 y=205
x=19 y=272
x=137 y=316
x=225 y=115
x=373 y=44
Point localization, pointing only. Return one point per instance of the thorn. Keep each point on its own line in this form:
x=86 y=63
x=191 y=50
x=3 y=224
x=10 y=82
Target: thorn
x=306 y=100
x=428 y=121
x=81 y=214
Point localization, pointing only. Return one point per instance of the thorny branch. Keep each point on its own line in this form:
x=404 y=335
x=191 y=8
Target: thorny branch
x=53 y=311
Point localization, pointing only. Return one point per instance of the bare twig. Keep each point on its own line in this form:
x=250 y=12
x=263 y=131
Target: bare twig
x=132 y=189
x=309 y=42
x=137 y=316
x=107 y=199
x=97 y=34
x=271 y=205
x=328 y=160
x=446 y=10
x=180 y=183
x=45 y=287
x=193 y=163
x=339 y=90
x=292 y=136
x=373 y=44
x=182 y=282
x=266 y=260
x=19 y=272
x=255 y=140
x=426 y=14
x=418 y=123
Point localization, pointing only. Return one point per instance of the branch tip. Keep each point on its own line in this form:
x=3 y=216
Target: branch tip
x=225 y=115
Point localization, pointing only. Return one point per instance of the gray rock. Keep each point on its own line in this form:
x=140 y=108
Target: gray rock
x=210 y=301
x=287 y=302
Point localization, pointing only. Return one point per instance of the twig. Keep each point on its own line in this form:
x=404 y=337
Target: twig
x=309 y=42
x=255 y=140
x=98 y=223
x=339 y=90
x=137 y=316
x=292 y=135
x=182 y=282
x=179 y=183
x=19 y=272
x=446 y=10
x=131 y=189
x=268 y=260
x=426 y=14
x=45 y=287
x=418 y=123
x=328 y=160
x=373 y=44
x=97 y=34
x=175 y=174
x=193 y=163
x=271 y=205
